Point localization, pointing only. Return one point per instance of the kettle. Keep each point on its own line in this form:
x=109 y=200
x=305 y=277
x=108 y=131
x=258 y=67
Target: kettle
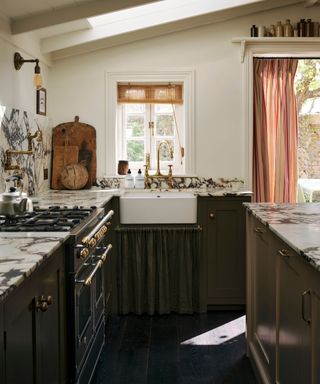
x=13 y=202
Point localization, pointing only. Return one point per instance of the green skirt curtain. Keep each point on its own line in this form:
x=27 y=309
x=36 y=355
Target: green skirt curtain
x=158 y=269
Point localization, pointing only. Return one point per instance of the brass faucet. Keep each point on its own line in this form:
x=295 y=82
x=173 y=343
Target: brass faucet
x=158 y=172
x=8 y=166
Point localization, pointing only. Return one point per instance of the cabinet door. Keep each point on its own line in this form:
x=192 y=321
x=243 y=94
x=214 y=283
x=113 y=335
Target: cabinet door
x=225 y=252
x=264 y=308
x=49 y=333
x=294 y=331
x=34 y=327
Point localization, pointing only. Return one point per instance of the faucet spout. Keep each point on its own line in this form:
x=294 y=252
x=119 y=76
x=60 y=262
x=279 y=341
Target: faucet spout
x=158 y=172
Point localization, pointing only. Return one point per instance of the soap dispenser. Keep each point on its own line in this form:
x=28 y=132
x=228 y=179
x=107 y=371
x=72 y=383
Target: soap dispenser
x=139 y=184
x=128 y=181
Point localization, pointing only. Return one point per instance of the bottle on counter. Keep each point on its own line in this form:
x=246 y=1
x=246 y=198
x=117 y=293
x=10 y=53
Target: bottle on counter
x=254 y=31
x=129 y=180
x=139 y=181
x=279 y=29
x=288 y=29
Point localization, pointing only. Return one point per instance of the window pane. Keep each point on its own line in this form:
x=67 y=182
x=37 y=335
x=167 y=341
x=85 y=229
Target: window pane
x=164 y=125
x=135 y=126
x=163 y=108
x=135 y=150
x=135 y=108
x=166 y=151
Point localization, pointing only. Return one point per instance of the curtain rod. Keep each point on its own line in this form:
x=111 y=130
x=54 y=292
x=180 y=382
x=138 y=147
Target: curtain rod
x=285 y=57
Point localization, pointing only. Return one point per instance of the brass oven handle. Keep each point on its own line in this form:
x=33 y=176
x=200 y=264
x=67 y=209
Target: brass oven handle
x=98 y=231
x=105 y=253
x=307 y=292
x=87 y=281
x=98 y=265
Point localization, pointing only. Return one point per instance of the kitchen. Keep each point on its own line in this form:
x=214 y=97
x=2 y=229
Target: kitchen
x=75 y=79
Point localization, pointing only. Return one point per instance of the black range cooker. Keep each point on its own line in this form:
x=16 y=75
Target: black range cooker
x=87 y=250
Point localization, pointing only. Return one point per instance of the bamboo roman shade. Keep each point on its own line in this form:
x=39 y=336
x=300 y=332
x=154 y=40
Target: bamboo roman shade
x=150 y=93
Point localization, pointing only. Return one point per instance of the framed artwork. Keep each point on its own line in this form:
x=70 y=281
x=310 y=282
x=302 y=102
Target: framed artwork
x=42 y=101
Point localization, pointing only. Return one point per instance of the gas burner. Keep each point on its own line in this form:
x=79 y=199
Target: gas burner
x=52 y=219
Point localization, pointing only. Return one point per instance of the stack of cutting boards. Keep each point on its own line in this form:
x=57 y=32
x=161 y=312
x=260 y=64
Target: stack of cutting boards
x=74 y=162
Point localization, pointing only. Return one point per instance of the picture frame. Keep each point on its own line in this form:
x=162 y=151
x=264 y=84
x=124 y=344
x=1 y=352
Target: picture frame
x=42 y=101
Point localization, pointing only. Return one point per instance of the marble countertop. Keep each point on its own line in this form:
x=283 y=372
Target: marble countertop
x=296 y=224
x=21 y=253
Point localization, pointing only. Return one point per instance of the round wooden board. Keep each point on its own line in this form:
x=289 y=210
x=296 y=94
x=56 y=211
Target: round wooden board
x=74 y=176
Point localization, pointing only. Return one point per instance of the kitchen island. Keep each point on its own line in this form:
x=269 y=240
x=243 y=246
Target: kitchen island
x=283 y=291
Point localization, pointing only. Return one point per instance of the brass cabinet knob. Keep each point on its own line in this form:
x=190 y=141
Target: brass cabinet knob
x=211 y=215
x=284 y=253
x=43 y=303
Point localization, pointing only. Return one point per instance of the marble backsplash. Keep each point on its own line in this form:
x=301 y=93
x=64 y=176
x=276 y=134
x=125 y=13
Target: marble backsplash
x=177 y=183
x=15 y=125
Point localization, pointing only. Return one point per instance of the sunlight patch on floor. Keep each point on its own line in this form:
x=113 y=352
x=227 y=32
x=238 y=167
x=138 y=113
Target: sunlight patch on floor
x=220 y=334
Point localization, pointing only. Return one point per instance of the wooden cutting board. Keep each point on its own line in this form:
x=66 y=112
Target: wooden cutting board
x=75 y=134
x=61 y=157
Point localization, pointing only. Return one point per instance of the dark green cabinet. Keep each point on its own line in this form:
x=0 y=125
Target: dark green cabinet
x=223 y=222
x=34 y=329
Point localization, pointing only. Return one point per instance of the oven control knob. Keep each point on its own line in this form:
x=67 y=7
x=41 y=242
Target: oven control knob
x=84 y=253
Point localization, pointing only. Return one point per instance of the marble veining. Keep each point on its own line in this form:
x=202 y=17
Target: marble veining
x=296 y=224
x=15 y=125
x=20 y=254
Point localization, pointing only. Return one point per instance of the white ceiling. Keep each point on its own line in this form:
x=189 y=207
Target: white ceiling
x=64 y=30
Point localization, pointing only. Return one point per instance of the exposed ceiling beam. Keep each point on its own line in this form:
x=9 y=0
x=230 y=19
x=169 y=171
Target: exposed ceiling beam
x=71 y=48
x=71 y=13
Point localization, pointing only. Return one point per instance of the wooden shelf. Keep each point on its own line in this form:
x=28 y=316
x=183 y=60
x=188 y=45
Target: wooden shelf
x=245 y=41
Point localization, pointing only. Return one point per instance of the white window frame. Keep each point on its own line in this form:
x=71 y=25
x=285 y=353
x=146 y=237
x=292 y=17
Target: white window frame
x=179 y=75
x=176 y=163
x=265 y=49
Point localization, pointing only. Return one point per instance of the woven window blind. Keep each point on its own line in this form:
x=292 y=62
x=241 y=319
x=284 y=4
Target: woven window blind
x=150 y=93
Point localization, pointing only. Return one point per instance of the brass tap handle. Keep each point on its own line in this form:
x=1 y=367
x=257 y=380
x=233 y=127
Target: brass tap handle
x=146 y=172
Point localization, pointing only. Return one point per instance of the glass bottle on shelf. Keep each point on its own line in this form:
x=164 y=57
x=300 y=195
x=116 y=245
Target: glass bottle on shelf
x=302 y=28
x=254 y=31
x=272 y=30
x=279 y=29
x=288 y=29
x=309 y=28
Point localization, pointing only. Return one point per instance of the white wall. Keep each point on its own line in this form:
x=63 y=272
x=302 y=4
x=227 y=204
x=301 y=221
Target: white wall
x=16 y=87
x=77 y=86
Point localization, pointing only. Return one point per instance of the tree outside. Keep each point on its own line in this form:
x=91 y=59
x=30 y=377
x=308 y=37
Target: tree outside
x=307 y=85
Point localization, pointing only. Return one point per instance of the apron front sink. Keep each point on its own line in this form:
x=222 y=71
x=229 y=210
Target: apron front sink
x=158 y=208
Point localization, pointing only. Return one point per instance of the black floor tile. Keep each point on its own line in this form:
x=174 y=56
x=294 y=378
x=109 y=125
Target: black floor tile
x=167 y=350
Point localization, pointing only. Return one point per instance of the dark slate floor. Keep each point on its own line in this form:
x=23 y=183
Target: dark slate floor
x=158 y=350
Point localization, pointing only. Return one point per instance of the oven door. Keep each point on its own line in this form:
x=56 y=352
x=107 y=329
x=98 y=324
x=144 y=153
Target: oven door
x=84 y=329
x=89 y=302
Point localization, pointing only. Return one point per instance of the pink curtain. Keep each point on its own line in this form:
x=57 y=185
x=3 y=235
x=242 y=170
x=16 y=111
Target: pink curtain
x=275 y=131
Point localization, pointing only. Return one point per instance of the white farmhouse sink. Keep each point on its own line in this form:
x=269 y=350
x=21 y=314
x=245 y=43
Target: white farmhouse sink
x=158 y=208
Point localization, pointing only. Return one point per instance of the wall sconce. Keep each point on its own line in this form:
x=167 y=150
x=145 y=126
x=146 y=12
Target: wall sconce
x=19 y=61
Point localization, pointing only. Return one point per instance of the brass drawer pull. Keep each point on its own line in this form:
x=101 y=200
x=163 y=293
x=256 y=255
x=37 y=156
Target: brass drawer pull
x=211 y=215
x=43 y=303
x=259 y=230
x=284 y=253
